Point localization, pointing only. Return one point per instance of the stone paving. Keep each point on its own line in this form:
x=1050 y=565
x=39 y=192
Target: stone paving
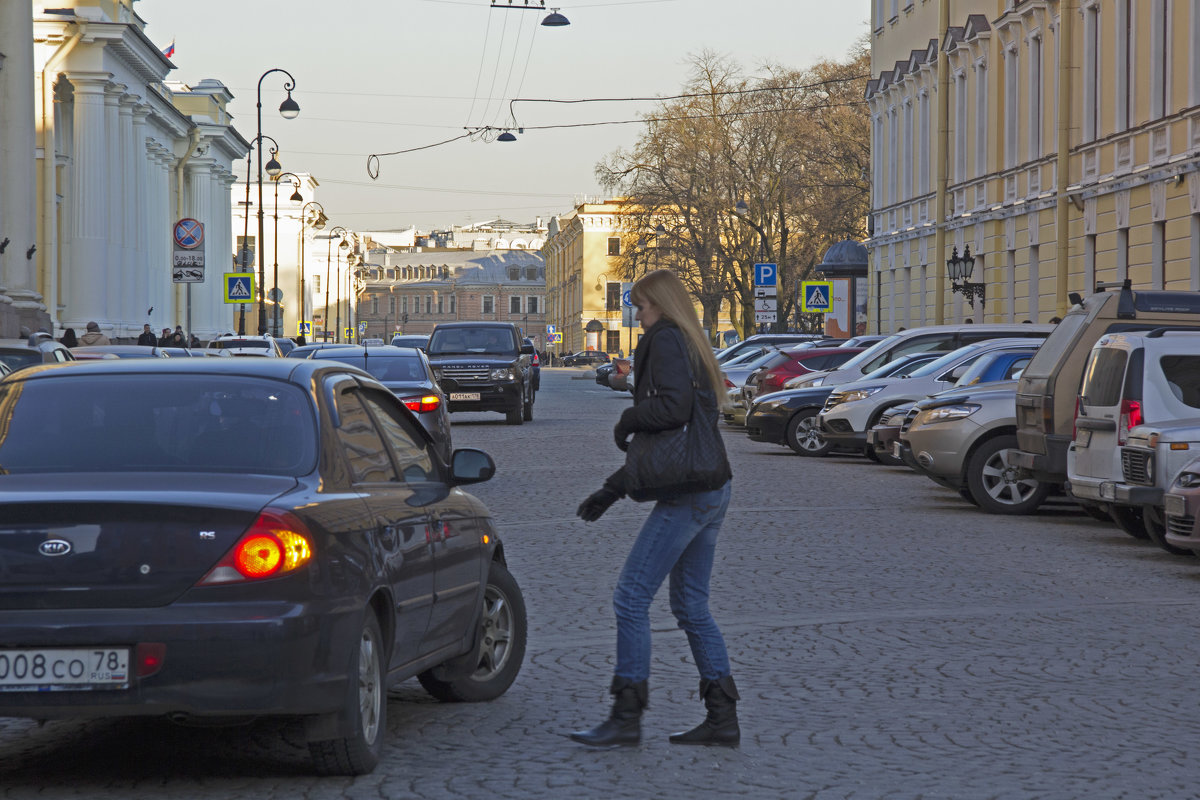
x=889 y=641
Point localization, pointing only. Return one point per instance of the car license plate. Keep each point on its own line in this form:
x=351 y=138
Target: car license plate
x=896 y=449
x=1083 y=437
x=1174 y=505
x=464 y=395
x=64 y=670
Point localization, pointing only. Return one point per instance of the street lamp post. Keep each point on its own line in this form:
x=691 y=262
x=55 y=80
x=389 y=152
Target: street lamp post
x=276 y=295
x=337 y=230
x=288 y=109
x=244 y=254
x=318 y=223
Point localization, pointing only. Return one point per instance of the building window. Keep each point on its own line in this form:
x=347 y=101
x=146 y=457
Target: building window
x=1124 y=66
x=375 y=306
x=531 y=303
x=514 y=304
x=428 y=304
x=489 y=304
x=1160 y=68
x=612 y=341
x=1011 y=94
x=892 y=150
x=403 y=304
x=1035 y=98
x=612 y=296
x=1091 y=73
x=244 y=242
x=441 y=304
x=909 y=189
x=316 y=282
x=981 y=119
x=925 y=137
x=614 y=246
x=452 y=304
x=391 y=304
x=960 y=127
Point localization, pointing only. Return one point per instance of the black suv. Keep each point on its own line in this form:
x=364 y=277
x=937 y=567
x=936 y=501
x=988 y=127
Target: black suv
x=484 y=366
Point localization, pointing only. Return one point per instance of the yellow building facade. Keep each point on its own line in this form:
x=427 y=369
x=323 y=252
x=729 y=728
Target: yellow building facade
x=1058 y=140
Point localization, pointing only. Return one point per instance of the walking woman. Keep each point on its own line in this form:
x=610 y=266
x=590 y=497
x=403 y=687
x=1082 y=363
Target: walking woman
x=676 y=382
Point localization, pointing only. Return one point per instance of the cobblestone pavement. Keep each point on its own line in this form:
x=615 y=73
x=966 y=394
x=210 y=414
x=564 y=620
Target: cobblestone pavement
x=888 y=639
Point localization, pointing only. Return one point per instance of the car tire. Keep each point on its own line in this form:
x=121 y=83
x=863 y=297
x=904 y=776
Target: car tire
x=993 y=485
x=1129 y=519
x=366 y=709
x=804 y=436
x=500 y=650
x=1156 y=530
x=869 y=451
x=516 y=415
x=527 y=411
x=965 y=494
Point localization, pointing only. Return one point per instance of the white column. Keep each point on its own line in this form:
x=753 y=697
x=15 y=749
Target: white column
x=138 y=227
x=199 y=207
x=113 y=275
x=88 y=205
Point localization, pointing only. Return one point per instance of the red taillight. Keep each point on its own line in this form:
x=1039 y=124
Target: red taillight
x=420 y=405
x=148 y=658
x=730 y=384
x=277 y=543
x=1074 y=420
x=536 y=361
x=1131 y=417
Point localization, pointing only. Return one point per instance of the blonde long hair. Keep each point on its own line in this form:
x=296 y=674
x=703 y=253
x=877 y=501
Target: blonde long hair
x=662 y=288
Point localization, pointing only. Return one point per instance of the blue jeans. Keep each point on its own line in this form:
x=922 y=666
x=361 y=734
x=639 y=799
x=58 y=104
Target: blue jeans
x=678 y=539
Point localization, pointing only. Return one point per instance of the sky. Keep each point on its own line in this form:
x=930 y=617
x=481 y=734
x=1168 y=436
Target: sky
x=378 y=76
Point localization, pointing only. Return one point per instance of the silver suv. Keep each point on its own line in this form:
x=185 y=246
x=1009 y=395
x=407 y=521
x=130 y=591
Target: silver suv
x=1139 y=401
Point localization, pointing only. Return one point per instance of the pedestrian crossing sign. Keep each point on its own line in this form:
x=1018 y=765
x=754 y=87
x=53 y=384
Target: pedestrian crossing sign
x=816 y=296
x=304 y=328
x=239 y=287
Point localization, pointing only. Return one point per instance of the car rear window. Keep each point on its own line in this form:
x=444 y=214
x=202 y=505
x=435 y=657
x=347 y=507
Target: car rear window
x=17 y=360
x=224 y=344
x=1104 y=376
x=384 y=368
x=1057 y=345
x=156 y=423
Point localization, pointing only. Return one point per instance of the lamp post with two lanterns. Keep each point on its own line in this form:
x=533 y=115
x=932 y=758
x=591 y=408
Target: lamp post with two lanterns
x=311 y=213
x=276 y=295
x=337 y=230
x=288 y=109
x=960 y=269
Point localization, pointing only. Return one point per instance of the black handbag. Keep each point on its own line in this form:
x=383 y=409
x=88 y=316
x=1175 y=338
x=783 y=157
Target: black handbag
x=661 y=465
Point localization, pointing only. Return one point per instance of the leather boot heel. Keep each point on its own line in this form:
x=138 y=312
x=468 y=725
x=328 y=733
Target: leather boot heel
x=720 y=725
x=624 y=723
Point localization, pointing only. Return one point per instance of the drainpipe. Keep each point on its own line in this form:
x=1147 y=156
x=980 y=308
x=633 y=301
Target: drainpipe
x=943 y=151
x=1066 y=30
x=50 y=173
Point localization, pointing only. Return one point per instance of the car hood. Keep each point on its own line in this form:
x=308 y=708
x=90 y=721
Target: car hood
x=999 y=391
x=815 y=394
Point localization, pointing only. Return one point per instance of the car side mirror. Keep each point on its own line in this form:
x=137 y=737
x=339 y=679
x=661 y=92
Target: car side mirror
x=468 y=465
x=527 y=349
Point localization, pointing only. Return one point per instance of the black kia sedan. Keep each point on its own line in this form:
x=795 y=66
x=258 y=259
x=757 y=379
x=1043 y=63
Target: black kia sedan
x=215 y=539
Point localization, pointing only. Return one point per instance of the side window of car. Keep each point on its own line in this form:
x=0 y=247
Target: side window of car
x=365 y=452
x=408 y=446
x=1183 y=377
x=1018 y=364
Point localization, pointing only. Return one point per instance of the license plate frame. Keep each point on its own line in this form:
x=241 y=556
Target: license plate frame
x=465 y=397
x=58 y=669
x=1174 y=505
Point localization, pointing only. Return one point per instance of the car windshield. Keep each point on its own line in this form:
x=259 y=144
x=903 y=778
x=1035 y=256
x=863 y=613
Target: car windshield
x=384 y=368
x=491 y=341
x=15 y=360
x=902 y=366
x=948 y=360
x=156 y=423
x=222 y=344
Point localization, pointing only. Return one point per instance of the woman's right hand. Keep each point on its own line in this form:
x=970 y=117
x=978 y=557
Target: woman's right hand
x=596 y=504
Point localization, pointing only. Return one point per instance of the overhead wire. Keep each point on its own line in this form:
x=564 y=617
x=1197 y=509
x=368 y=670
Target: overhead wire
x=512 y=63
x=479 y=75
x=495 y=71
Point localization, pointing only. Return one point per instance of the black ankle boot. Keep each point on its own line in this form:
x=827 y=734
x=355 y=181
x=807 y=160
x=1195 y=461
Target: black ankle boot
x=720 y=726
x=624 y=724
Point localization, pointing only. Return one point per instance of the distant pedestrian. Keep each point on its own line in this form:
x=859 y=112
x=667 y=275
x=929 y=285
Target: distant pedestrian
x=1055 y=320
x=165 y=339
x=195 y=341
x=679 y=385
x=147 y=338
x=93 y=336
x=968 y=321
x=177 y=338
x=68 y=338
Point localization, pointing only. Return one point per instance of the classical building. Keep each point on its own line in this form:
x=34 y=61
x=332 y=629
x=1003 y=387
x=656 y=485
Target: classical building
x=586 y=263
x=101 y=157
x=411 y=292
x=1070 y=154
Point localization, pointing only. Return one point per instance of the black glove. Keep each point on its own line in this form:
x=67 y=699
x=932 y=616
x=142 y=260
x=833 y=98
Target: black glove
x=621 y=435
x=596 y=504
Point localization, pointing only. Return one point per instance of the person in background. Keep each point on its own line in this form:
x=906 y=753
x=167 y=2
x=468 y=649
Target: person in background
x=1055 y=320
x=147 y=337
x=673 y=363
x=165 y=339
x=93 y=336
x=69 y=339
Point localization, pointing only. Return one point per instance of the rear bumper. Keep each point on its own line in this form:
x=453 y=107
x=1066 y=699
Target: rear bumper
x=221 y=660
x=1051 y=466
x=1115 y=492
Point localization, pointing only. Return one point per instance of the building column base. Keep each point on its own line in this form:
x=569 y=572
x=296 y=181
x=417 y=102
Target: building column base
x=30 y=313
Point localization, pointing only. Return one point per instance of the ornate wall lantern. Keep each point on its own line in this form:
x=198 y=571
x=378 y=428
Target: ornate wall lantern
x=960 y=269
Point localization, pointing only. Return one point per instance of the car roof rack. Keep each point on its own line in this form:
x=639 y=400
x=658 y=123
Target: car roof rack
x=1157 y=333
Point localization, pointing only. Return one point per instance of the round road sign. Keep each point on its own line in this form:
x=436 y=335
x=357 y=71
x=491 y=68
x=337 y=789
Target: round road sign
x=188 y=233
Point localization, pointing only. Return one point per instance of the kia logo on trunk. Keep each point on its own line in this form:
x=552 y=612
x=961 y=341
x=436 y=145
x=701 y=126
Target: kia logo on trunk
x=54 y=547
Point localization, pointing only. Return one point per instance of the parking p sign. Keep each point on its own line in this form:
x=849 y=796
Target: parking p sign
x=766 y=275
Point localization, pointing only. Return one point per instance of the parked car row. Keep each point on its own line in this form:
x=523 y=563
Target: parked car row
x=1104 y=407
